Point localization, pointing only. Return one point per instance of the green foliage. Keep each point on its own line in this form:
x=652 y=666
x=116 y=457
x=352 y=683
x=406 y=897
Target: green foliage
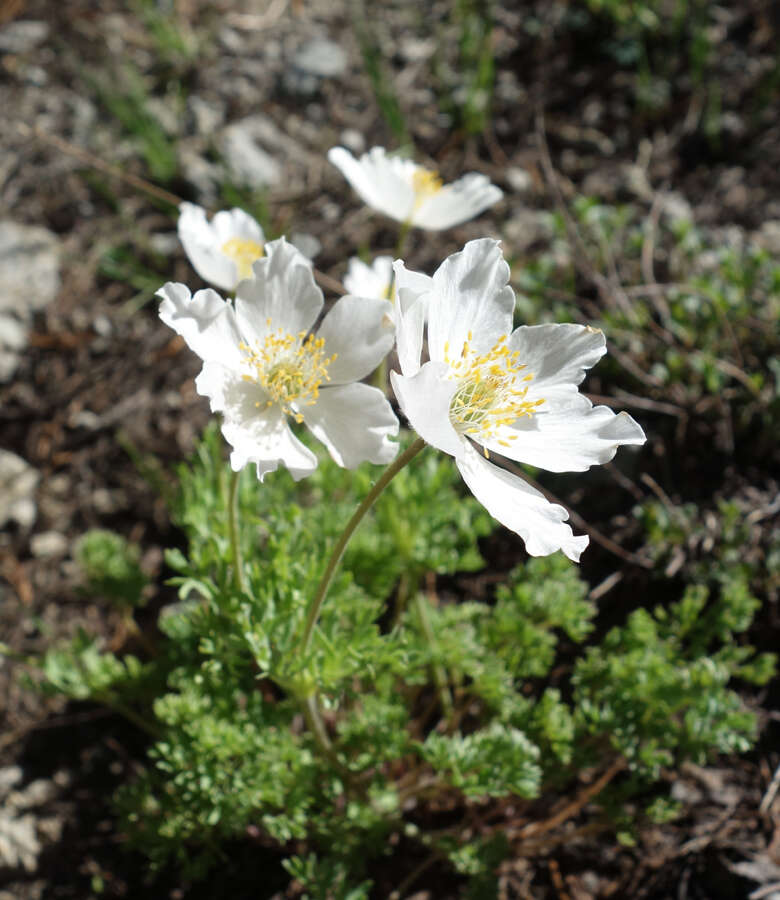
x=494 y=762
x=706 y=330
x=127 y=100
x=425 y=704
x=111 y=569
x=470 y=79
x=377 y=70
x=666 y=43
x=138 y=267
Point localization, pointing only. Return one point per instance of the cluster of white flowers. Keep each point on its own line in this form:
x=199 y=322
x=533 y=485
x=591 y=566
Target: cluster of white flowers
x=482 y=388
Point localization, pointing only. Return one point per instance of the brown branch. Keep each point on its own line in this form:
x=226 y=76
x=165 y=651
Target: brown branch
x=576 y=805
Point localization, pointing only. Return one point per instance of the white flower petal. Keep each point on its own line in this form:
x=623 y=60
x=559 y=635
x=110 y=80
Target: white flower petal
x=257 y=433
x=556 y=355
x=206 y=322
x=203 y=241
x=359 y=330
x=410 y=307
x=363 y=280
x=282 y=291
x=470 y=300
x=409 y=285
x=382 y=182
x=354 y=421
x=425 y=400
x=457 y=202
x=236 y=223
x=520 y=508
x=567 y=434
x=203 y=248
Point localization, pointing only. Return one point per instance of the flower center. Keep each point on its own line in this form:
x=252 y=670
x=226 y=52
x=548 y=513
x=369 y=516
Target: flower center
x=492 y=391
x=289 y=367
x=243 y=253
x=425 y=184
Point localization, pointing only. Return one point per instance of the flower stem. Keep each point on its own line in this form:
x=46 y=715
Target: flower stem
x=341 y=544
x=439 y=672
x=235 y=542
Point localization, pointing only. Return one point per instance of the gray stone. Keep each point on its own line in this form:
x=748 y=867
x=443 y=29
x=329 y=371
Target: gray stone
x=518 y=179
x=203 y=175
x=353 y=140
x=23 y=36
x=29 y=268
x=48 y=543
x=321 y=58
x=18 y=481
x=10 y=776
x=19 y=845
x=248 y=163
x=768 y=237
x=207 y=115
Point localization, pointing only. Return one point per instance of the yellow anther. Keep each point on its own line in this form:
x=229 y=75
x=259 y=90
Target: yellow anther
x=425 y=183
x=243 y=253
x=290 y=368
x=491 y=394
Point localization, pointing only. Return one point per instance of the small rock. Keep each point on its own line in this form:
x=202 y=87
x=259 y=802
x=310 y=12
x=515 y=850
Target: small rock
x=166 y=243
x=102 y=325
x=676 y=208
x=203 y=175
x=18 y=482
x=322 y=58
x=518 y=179
x=768 y=237
x=10 y=776
x=23 y=36
x=29 y=267
x=417 y=49
x=19 y=845
x=165 y=115
x=353 y=140
x=13 y=333
x=246 y=160
x=48 y=543
x=208 y=116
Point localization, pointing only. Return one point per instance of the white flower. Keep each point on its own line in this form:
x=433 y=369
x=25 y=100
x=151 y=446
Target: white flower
x=262 y=366
x=222 y=251
x=513 y=392
x=379 y=282
x=375 y=280
x=413 y=194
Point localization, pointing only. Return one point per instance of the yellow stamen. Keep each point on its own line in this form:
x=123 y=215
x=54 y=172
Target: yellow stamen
x=425 y=184
x=290 y=368
x=492 y=392
x=243 y=252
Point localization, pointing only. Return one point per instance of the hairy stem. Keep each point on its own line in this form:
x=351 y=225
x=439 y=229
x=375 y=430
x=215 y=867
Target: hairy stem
x=341 y=544
x=439 y=672
x=235 y=541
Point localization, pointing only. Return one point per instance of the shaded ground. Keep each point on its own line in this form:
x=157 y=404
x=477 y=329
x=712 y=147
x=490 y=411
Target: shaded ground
x=102 y=394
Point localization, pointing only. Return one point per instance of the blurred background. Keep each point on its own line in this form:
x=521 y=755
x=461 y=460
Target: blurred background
x=638 y=147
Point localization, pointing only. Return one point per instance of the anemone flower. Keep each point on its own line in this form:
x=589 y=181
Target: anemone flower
x=487 y=388
x=412 y=194
x=263 y=366
x=223 y=250
x=378 y=281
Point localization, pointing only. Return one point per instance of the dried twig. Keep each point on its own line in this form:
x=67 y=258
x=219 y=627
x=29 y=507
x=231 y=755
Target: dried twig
x=571 y=809
x=576 y=519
